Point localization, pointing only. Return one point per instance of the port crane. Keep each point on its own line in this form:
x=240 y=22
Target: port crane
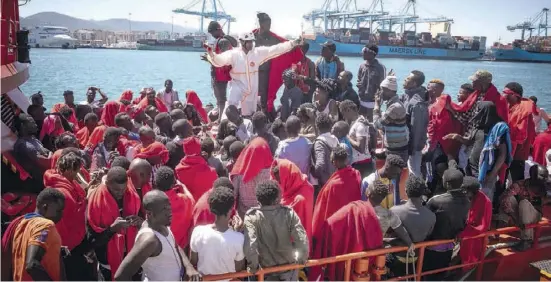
x=210 y=9
x=538 y=22
x=335 y=14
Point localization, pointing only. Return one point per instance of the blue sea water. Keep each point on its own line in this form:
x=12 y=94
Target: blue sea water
x=54 y=71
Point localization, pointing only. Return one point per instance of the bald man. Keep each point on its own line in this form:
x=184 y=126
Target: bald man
x=147 y=135
x=155 y=240
x=139 y=174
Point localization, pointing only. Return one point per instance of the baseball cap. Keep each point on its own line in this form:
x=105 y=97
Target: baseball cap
x=330 y=45
x=481 y=74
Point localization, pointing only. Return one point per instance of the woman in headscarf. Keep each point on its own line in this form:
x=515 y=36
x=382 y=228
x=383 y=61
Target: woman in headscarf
x=296 y=192
x=193 y=99
x=107 y=119
x=252 y=167
x=491 y=151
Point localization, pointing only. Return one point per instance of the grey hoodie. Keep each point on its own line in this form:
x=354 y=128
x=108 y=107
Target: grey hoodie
x=417 y=114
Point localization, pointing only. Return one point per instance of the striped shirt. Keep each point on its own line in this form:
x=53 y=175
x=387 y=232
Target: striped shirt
x=393 y=124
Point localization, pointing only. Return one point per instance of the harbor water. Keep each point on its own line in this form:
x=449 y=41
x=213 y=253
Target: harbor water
x=55 y=70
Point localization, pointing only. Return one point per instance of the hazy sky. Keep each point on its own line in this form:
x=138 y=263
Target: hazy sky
x=472 y=17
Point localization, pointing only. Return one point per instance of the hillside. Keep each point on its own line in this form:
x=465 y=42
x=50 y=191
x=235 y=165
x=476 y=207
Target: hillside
x=57 y=19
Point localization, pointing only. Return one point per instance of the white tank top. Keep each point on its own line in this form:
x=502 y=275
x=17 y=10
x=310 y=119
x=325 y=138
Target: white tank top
x=326 y=110
x=166 y=266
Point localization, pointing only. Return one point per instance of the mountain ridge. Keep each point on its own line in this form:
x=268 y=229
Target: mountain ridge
x=116 y=24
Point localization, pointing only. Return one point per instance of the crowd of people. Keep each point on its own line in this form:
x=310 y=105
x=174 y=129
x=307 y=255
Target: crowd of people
x=161 y=187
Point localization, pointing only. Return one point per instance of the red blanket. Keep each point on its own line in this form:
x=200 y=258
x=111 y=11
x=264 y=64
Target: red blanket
x=201 y=211
x=478 y=222
x=14 y=205
x=182 y=204
x=72 y=226
x=154 y=150
x=542 y=144
x=491 y=95
x=297 y=193
x=441 y=124
x=55 y=157
x=522 y=127
x=103 y=211
x=254 y=158
x=342 y=188
x=72 y=118
x=126 y=95
x=83 y=136
x=277 y=66
x=110 y=110
x=7 y=239
x=193 y=98
x=158 y=103
x=96 y=137
x=194 y=171
x=353 y=228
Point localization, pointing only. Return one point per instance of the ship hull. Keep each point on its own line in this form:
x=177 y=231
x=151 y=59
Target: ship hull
x=169 y=48
x=355 y=50
x=520 y=55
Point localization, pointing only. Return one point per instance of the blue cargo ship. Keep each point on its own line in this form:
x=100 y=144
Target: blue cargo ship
x=455 y=52
x=517 y=54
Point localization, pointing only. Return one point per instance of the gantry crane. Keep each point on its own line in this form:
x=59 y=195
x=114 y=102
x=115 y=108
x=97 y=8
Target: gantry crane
x=338 y=13
x=210 y=9
x=538 y=22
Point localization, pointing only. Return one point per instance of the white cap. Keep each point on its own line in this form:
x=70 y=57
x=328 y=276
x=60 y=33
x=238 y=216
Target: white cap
x=390 y=83
x=247 y=36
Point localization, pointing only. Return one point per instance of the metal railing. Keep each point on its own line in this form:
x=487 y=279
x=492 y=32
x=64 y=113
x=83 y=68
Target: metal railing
x=380 y=254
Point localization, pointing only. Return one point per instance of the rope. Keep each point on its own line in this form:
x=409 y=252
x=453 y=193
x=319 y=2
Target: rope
x=407 y=265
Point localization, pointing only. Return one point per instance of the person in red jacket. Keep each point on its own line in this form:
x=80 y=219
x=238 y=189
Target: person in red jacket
x=220 y=76
x=484 y=91
x=542 y=144
x=72 y=226
x=296 y=192
x=194 y=171
x=269 y=78
x=201 y=212
x=521 y=124
x=182 y=204
x=441 y=122
x=342 y=188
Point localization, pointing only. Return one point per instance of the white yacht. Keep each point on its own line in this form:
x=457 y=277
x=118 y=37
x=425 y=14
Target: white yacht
x=51 y=37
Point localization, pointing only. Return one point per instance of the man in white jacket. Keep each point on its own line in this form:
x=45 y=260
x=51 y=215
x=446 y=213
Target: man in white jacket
x=245 y=62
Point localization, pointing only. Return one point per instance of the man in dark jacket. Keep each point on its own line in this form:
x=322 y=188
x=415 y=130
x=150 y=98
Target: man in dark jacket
x=370 y=76
x=273 y=234
x=416 y=103
x=451 y=210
